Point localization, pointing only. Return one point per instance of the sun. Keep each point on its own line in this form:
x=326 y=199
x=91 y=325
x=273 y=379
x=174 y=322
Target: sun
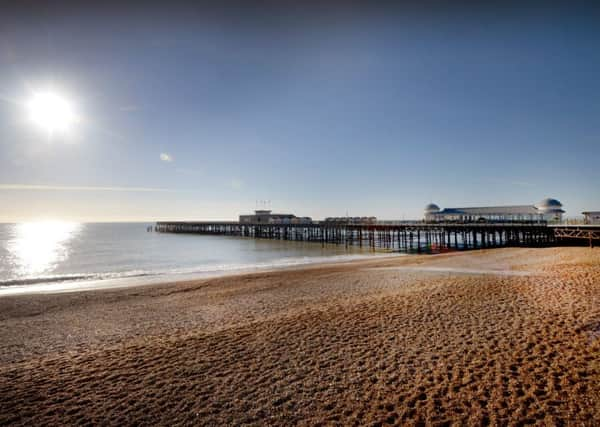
x=51 y=112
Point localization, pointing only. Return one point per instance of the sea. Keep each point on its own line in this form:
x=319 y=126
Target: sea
x=52 y=256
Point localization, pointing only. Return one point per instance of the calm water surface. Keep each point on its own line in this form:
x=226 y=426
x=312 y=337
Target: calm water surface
x=50 y=252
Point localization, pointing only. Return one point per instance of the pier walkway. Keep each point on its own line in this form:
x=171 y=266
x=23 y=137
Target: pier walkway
x=405 y=237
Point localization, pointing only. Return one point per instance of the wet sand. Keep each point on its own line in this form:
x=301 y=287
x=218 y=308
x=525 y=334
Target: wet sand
x=504 y=336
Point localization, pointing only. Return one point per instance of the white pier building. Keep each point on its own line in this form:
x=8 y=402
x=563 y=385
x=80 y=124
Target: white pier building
x=547 y=210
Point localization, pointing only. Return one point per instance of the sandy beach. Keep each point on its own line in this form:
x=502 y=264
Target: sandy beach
x=501 y=337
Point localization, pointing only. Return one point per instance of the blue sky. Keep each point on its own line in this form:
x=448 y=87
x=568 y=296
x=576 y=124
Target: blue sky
x=322 y=111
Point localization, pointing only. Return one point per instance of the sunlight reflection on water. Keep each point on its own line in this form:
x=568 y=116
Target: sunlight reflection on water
x=37 y=247
x=45 y=253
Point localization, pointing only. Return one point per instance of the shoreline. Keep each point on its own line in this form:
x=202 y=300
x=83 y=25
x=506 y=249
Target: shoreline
x=503 y=336
x=86 y=283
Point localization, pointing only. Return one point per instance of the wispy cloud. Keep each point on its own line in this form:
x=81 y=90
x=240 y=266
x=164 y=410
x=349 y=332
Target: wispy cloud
x=166 y=157
x=35 y=187
x=236 y=184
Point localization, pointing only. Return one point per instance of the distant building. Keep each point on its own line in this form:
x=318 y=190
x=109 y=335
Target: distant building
x=546 y=210
x=591 y=217
x=267 y=217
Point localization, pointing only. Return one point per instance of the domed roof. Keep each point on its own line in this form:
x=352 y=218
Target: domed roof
x=550 y=206
x=549 y=203
x=432 y=207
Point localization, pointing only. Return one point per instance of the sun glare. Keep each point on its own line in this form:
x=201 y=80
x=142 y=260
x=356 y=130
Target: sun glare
x=37 y=247
x=51 y=112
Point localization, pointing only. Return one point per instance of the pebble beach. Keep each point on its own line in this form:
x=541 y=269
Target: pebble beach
x=501 y=337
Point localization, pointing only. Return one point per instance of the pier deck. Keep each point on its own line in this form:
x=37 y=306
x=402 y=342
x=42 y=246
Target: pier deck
x=405 y=237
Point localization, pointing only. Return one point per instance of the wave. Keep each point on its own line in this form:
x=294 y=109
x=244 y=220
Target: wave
x=67 y=278
x=44 y=279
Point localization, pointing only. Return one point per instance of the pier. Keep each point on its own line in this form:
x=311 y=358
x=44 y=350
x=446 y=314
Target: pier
x=414 y=237
x=577 y=233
